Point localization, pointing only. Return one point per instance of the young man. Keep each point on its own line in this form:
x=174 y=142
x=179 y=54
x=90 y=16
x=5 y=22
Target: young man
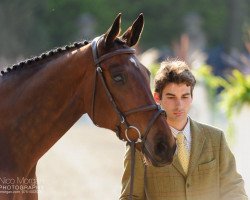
x=203 y=168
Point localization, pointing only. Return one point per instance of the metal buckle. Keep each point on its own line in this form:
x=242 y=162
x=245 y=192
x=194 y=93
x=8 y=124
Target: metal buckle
x=122 y=119
x=99 y=69
x=139 y=134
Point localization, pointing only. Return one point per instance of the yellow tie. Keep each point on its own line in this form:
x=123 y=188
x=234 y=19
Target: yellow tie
x=182 y=152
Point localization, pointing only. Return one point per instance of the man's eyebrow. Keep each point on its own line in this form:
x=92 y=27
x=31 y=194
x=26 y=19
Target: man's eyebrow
x=185 y=94
x=169 y=94
x=188 y=93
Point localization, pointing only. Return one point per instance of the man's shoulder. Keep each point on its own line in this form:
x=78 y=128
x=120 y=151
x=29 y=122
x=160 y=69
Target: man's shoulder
x=205 y=128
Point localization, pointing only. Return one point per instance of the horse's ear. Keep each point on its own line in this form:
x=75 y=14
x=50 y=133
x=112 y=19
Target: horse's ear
x=113 y=31
x=133 y=33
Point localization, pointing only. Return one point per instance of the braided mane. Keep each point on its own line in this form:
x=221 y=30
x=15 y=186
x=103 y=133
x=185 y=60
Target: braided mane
x=43 y=56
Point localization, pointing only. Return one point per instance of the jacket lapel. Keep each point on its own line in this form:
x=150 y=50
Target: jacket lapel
x=198 y=139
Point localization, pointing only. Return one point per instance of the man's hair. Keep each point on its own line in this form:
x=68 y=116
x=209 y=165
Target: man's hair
x=173 y=71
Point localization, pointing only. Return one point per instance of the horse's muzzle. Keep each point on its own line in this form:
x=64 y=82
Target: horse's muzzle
x=160 y=154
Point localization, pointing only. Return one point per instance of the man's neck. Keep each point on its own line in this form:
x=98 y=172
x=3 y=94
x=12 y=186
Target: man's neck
x=178 y=125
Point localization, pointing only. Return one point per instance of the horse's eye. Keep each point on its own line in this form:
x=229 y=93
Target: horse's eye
x=119 y=78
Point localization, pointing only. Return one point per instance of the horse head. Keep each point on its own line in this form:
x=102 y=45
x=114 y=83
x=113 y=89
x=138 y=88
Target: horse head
x=121 y=98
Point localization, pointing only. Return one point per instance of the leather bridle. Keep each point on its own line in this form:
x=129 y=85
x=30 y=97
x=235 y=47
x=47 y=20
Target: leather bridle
x=122 y=115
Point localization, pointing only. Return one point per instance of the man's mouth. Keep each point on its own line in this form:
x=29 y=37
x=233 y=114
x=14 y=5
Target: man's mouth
x=178 y=113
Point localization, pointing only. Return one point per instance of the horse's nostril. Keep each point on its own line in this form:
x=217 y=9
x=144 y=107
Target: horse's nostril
x=161 y=149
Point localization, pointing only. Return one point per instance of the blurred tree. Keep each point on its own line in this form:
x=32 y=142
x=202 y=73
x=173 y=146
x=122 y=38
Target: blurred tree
x=239 y=11
x=21 y=33
x=60 y=17
x=30 y=27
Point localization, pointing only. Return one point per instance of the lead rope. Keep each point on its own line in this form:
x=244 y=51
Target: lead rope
x=132 y=144
x=132 y=170
x=93 y=101
x=145 y=181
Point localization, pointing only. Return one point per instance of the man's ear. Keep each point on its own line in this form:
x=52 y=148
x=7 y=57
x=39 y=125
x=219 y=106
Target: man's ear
x=157 y=97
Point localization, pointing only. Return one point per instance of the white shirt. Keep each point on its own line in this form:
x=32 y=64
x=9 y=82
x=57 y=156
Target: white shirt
x=186 y=131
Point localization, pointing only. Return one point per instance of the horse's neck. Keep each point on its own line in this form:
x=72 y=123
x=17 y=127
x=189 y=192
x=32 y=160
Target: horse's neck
x=38 y=110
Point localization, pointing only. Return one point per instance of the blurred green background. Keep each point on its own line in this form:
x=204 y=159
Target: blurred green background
x=30 y=27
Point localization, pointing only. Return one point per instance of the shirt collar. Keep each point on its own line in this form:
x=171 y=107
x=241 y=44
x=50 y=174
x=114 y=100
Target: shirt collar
x=185 y=131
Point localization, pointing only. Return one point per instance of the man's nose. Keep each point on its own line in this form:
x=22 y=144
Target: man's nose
x=178 y=103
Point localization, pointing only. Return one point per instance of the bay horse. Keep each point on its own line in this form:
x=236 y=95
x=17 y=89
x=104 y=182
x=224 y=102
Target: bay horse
x=42 y=97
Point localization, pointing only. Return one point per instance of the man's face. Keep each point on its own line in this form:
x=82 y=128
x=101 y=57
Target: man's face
x=176 y=101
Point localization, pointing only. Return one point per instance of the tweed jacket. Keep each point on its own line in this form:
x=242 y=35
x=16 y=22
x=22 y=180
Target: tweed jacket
x=211 y=175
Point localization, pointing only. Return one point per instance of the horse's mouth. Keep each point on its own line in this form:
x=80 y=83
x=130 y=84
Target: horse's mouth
x=156 y=161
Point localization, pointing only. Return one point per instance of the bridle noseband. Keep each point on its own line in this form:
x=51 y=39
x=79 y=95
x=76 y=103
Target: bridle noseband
x=122 y=115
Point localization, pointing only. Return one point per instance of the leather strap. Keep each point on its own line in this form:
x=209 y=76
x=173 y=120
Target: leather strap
x=114 y=53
